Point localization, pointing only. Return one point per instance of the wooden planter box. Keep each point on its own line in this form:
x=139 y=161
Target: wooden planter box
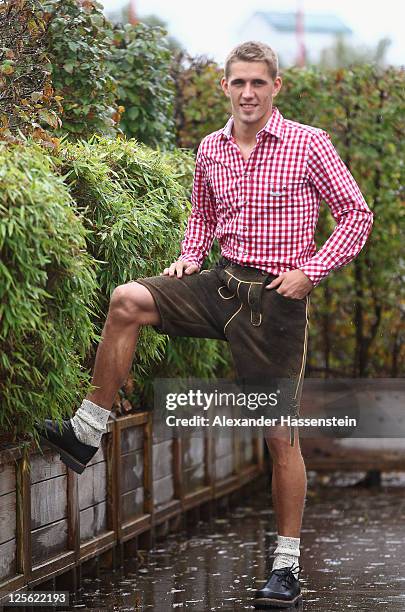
x=52 y=519
x=10 y=572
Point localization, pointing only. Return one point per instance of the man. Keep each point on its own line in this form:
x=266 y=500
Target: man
x=257 y=186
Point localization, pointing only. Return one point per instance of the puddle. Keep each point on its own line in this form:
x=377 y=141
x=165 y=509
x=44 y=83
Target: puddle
x=351 y=551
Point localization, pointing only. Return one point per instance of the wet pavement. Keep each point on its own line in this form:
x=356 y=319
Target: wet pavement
x=352 y=552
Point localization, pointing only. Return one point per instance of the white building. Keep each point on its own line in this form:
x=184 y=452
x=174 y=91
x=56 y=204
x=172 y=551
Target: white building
x=279 y=30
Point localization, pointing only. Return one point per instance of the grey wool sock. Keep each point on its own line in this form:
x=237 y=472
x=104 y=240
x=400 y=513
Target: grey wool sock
x=89 y=423
x=287 y=553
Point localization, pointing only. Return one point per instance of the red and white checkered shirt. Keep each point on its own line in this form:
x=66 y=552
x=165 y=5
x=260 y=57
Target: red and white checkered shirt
x=264 y=211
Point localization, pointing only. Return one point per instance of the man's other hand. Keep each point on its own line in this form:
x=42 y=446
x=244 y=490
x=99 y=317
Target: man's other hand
x=178 y=267
x=293 y=284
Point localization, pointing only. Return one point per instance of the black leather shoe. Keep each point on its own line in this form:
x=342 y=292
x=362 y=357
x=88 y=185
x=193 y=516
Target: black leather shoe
x=282 y=590
x=73 y=453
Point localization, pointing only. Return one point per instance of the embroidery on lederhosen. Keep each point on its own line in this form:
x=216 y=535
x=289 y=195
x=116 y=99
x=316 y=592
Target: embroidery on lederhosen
x=303 y=361
x=249 y=293
x=254 y=301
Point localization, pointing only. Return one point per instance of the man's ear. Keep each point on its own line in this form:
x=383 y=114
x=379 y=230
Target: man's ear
x=224 y=85
x=277 y=85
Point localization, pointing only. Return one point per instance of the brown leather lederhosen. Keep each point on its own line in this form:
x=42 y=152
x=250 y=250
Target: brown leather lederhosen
x=267 y=332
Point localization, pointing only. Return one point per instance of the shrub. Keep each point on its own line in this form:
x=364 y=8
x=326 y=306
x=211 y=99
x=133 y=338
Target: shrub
x=27 y=98
x=201 y=106
x=110 y=78
x=140 y=62
x=47 y=285
x=181 y=163
x=78 y=46
x=66 y=70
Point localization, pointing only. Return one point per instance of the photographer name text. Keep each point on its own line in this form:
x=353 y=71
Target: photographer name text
x=290 y=421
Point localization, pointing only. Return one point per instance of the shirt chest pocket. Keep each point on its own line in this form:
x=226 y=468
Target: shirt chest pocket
x=287 y=194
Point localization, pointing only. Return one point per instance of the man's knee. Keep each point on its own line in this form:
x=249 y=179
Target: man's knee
x=133 y=303
x=280 y=448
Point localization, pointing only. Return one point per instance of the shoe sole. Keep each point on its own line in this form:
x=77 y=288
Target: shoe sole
x=266 y=602
x=67 y=459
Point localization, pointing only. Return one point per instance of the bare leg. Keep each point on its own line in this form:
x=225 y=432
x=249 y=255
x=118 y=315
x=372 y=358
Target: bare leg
x=289 y=482
x=131 y=306
x=289 y=490
x=78 y=439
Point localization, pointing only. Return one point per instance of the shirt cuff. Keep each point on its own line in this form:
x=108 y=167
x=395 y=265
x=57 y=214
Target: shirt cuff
x=313 y=272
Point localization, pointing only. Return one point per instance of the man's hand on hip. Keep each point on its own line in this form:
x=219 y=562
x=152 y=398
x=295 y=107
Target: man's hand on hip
x=178 y=267
x=293 y=284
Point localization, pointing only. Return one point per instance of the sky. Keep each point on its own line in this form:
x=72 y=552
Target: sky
x=211 y=27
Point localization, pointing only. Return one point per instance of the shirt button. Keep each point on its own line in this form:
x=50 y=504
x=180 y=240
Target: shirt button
x=244 y=228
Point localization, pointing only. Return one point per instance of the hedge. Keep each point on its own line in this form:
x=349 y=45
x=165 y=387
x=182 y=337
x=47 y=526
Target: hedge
x=73 y=227
x=360 y=311
x=140 y=63
x=47 y=290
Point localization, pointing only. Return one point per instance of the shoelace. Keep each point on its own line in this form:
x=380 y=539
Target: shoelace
x=285 y=575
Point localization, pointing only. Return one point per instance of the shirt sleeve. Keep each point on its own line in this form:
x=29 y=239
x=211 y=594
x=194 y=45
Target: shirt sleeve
x=353 y=217
x=202 y=222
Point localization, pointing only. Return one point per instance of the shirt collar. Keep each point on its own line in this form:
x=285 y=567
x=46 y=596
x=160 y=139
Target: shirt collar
x=274 y=125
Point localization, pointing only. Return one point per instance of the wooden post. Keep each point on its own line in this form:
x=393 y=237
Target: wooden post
x=209 y=477
x=148 y=473
x=24 y=558
x=114 y=480
x=73 y=513
x=178 y=470
x=258 y=452
x=236 y=451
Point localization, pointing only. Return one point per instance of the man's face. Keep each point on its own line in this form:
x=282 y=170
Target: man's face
x=251 y=91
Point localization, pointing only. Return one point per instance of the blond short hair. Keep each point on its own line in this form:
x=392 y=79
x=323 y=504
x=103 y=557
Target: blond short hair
x=253 y=51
